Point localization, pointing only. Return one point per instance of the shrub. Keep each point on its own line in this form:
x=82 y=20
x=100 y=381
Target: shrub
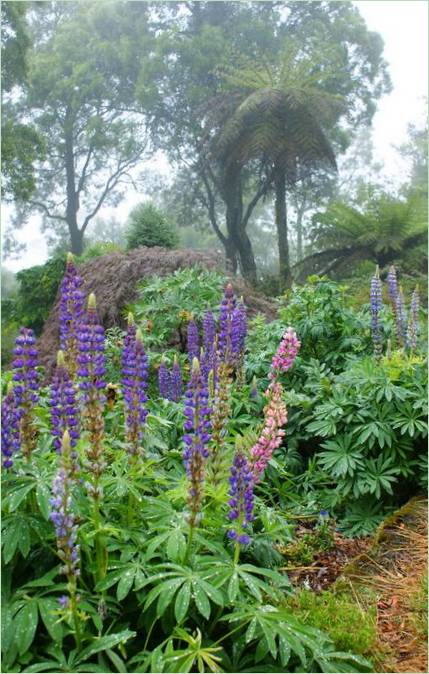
x=37 y=291
x=148 y=226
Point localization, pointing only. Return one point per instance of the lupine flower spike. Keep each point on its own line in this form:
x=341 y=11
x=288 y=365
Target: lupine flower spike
x=64 y=521
x=26 y=389
x=164 y=380
x=193 y=341
x=413 y=321
x=392 y=286
x=225 y=337
x=64 y=409
x=134 y=381
x=91 y=373
x=401 y=318
x=241 y=501
x=376 y=305
x=217 y=467
x=176 y=381
x=196 y=438
x=275 y=412
x=71 y=313
x=271 y=437
x=10 y=416
x=239 y=332
x=286 y=353
x=208 y=343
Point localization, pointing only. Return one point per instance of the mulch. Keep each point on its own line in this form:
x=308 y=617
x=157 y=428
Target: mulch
x=394 y=566
x=327 y=565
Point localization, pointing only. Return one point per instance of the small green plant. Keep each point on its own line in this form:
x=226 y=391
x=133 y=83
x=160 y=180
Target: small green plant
x=148 y=226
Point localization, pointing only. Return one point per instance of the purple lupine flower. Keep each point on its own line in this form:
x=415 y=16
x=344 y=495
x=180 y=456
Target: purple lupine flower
x=241 y=501
x=64 y=408
x=400 y=316
x=239 y=332
x=413 y=320
x=227 y=308
x=91 y=372
x=197 y=435
x=62 y=514
x=164 y=381
x=71 y=312
x=392 y=286
x=193 y=341
x=134 y=381
x=11 y=416
x=209 y=331
x=176 y=381
x=24 y=366
x=26 y=390
x=91 y=359
x=376 y=305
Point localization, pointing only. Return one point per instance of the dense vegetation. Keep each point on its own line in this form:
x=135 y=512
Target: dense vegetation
x=194 y=481
x=171 y=553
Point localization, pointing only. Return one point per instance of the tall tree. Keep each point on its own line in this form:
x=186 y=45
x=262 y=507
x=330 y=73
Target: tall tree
x=181 y=82
x=281 y=121
x=21 y=144
x=82 y=68
x=178 y=83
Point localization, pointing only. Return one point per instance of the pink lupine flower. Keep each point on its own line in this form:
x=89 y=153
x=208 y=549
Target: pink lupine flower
x=286 y=353
x=272 y=434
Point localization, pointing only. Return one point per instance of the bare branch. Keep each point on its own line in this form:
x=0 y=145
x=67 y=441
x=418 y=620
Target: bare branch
x=45 y=209
x=110 y=185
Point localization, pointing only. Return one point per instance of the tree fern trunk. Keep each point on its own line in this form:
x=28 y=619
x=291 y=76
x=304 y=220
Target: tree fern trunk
x=282 y=231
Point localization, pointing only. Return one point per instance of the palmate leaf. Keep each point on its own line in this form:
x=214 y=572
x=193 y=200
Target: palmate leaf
x=245 y=579
x=342 y=457
x=184 y=586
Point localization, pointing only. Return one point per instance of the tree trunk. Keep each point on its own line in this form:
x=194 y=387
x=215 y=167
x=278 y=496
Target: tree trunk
x=231 y=256
x=299 y=235
x=237 y=234
x=281 y=224
x=72 y=207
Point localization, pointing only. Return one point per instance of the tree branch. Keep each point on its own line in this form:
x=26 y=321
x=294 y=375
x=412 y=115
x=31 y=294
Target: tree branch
x=211 y=209
x=110 y=185
x=45 y=209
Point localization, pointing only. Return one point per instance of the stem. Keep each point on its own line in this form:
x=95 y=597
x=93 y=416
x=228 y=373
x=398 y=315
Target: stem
x=149 y=633
x=236 y=553
x=100 y=546
x=188 y=549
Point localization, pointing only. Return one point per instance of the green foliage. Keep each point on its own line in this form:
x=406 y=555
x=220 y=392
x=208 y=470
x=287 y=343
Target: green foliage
x=376 y=226
x=98 y=249
x=148 y=226
x=172 y=600
x=331 y=612
x=38 y=287
x=328 y=329
x=166 y=305
x=367 y=426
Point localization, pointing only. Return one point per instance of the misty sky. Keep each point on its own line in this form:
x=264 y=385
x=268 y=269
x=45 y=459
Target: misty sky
x=403 y=25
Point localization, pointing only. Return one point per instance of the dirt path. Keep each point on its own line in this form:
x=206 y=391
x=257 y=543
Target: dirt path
x=395 y=568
